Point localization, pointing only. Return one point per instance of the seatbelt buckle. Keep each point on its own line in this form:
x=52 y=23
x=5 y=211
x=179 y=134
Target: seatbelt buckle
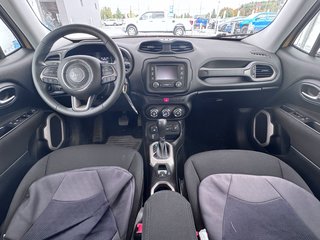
x=203 y=235
x=138 y=233
x=139 y=228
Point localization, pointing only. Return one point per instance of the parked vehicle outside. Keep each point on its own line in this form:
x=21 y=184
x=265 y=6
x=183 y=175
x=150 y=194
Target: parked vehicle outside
x=113 y=22
x=200 y=22
x=256 y=22
x=157 y=21
x=228 y=25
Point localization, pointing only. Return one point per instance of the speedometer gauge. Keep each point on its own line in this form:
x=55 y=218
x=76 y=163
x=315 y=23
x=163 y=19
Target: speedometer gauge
x=108 y=59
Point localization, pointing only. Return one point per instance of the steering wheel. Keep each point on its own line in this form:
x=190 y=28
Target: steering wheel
x=80 y=76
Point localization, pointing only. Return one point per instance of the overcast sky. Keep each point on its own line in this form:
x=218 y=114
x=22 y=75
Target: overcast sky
x=180 y=6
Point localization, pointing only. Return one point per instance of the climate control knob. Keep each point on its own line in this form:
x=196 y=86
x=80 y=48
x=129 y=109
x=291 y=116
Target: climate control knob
x=166 y=112
x=178 y=112
x=154 y=112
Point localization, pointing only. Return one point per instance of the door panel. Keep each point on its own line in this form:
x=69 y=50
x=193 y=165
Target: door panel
x=303 y=154
x=304 y=137
x=19 y=125
x=298 y=114
x=17 y=155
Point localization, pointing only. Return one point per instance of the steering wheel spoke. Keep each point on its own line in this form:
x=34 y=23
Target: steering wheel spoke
x=49 y=73
x=82 y=105
x=108 y=73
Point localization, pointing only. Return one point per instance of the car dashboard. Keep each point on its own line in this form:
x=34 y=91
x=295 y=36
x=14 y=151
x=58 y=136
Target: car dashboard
x=165 y=74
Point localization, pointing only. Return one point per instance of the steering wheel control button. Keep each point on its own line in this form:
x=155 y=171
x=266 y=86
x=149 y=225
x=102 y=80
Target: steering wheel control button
x=178 y=84
x=154 y=112
x=108 y=73
x=155 y=85
x=50 y=80
x=107 y=70
x=50 y=71
x=50 y=75
x=108 y=79
x=166 y=112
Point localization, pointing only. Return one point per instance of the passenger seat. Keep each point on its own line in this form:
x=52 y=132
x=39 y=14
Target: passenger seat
x=237 y=194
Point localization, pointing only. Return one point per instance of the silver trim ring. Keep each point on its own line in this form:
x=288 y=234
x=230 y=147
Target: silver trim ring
x=270 y=128
x=47 y=131
x=162 y=183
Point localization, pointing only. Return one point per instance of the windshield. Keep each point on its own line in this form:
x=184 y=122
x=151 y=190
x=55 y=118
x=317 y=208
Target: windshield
x=166 y=17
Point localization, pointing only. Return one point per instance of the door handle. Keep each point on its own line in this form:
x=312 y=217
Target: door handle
x=310 y=92
x=7 y=95
x=311 y=97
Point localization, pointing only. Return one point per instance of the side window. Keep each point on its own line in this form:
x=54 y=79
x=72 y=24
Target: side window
x=307 y=39
x=157 y=15
x=8 y=42
x=145 y=16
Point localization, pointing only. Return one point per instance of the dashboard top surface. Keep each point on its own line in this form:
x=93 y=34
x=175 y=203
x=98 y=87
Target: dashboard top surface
x=213 y=65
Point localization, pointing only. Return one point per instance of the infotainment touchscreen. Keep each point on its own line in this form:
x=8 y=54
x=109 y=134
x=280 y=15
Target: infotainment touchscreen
x=166 y=72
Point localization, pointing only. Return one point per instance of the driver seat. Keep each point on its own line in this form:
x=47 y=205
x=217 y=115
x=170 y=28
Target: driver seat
x=79 y=157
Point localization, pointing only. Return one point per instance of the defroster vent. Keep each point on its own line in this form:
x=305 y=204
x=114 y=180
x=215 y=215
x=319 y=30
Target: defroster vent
x=181 y=47
x=151 y=47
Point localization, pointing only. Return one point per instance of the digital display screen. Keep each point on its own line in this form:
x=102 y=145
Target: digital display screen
x=166 y=72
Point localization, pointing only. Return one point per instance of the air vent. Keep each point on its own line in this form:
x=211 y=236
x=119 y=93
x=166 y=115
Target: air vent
x=262 y=71
x=151 y=47
x=55 y=57
x=181 y=47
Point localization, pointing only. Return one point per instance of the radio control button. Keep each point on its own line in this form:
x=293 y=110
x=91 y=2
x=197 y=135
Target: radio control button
x=155 y=85
x=166 y=112
x=178 y=84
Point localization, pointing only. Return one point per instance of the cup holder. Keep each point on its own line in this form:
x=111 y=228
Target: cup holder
x=161 y=186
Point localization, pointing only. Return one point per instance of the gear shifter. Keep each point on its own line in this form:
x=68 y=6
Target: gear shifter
x=162 y=148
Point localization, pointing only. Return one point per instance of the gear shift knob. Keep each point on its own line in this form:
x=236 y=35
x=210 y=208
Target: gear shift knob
x=162 y=149
x=162 y=125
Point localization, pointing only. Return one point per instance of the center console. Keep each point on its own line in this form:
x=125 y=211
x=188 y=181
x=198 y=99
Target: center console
x=165 y=105
x=162 y=161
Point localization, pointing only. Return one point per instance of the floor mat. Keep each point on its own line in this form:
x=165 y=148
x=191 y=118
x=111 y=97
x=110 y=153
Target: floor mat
x=125 y=141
